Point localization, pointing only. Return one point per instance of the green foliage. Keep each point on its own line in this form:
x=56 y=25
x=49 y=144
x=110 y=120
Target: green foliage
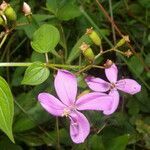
x=45 y=39
x=61 y=8
x=6 y=109
x=118 y=143
x=57 y=27
x=75 y=52
x=35 y=74
x=138 y=67
x=5 y=144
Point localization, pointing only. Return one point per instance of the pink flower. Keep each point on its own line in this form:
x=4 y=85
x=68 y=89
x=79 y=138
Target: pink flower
x=126 y=85
x=66 y=89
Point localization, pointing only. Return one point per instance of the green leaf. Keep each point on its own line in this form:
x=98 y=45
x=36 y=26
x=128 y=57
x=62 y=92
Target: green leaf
x=75 y=52
x=45 y=38
x=96 y=142
x=145 y=3
x=36 y=21
x=37 y=57
x=68 y=11
x=52 y=6
x=34 y=116
x=63 y=10
x=35 y=74
x=118 y=143
x=6 y=144
x=6 y=109
x=138 y=67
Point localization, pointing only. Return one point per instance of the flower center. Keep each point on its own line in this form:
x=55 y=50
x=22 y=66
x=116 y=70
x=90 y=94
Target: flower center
x=112 y=85
x=68 y=110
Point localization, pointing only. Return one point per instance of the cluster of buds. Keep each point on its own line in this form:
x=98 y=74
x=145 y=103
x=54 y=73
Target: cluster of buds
x=6 y=13
x=86 y=49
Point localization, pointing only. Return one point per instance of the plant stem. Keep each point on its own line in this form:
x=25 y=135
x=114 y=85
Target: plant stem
x=111 y=14
x=3 y=40
x=26 y=64
x=46 y=57
x=58 y=136
x=19 y=64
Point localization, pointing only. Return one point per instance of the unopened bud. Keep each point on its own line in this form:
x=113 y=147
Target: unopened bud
x=108 y=63
x=128 y=53
x=2 y=22
x=3 y=6
x=8 y=11
x=87 y=52
x=123 y=41
x=26 y=9
x=94 y=36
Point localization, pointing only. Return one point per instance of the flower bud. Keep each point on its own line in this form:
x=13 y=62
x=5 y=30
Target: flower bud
x=3 y=6
x=2 y=22
x=26 y=9
x=10 y=13
x=128 y=53
x=87 y=52
x=94 y=36
x=108 y=63
x=122 y=41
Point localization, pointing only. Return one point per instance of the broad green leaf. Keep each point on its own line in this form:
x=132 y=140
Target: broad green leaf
x=45 y=38
x=6 y=109
x=63 y=10
x=34 y=25
x=96 y=143
x=68 y=11
x=118 y=143
x=52 y=6
x=37 y=57
x=35 y=74
x=75 y=52
x=6 y=144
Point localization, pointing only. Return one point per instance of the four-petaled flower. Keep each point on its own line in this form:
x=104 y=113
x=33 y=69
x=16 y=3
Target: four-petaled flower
x=66 y=89
x=126 y=85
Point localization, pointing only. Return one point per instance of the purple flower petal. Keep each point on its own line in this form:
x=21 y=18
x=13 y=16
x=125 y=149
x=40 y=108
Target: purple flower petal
x=112 y=73
x=94 y=101
x=51 y=104
x=97 y=84
x=129 y=86
x=79 y=127
x=115 y=95
x=66 y=86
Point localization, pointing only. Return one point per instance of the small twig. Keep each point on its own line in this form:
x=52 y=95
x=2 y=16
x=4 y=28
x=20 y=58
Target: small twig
x=101 y=128
x=4 y=39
